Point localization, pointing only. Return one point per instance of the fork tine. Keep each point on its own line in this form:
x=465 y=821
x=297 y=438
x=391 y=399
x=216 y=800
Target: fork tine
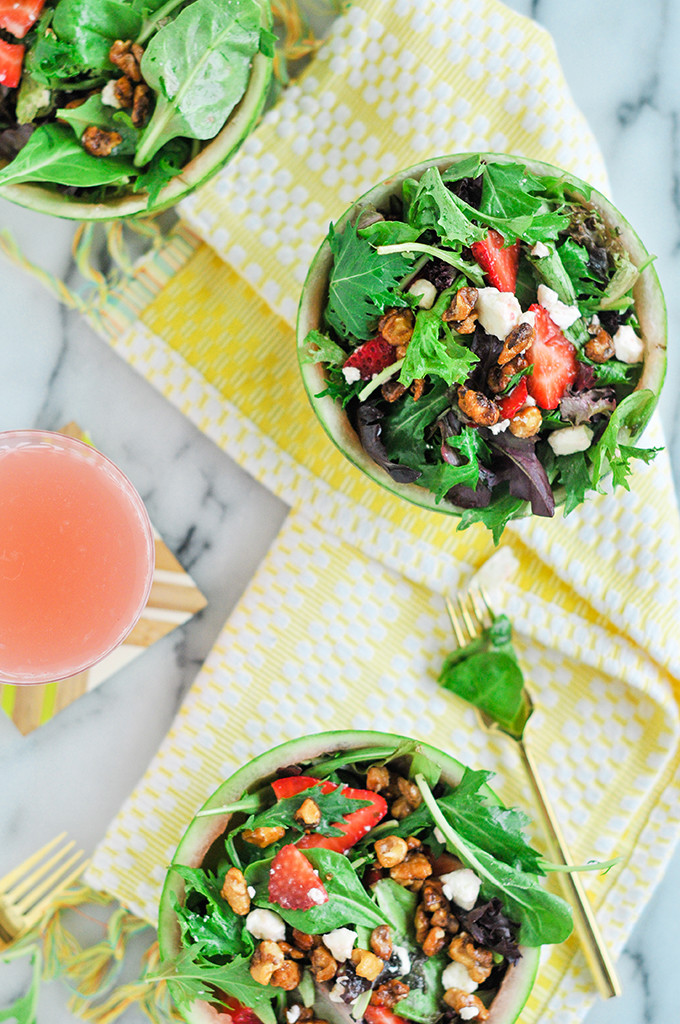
x=467 y=619
x=479 y=603
x=34 y=915
x=49 y=884
x=455 y=621
x=30 y=881
x=17 y=873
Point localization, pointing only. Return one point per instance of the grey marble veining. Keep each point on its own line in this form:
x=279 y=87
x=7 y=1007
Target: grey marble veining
x=620 y=60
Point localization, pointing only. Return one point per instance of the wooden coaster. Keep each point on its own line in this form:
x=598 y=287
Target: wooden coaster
x=174 y=598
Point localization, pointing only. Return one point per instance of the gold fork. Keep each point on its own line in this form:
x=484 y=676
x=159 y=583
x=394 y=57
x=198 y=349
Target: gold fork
x=27 y=890
x=468 y=620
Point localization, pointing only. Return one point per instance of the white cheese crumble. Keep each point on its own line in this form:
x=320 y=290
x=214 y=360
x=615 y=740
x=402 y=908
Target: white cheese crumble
x=404 y=958
x=336 y=993
x=251 y=891
x=426 y=290
x=540 y=250
x=462 y=886
x=498 y=428
x=340 y=942
x=317 y=896
x=627 y=346
x=498 y=311
x=455 y=976
x=559 y=312
x=109 y=97
x=528 y=318
x=468 y=1012
x=292 y=1013
x=529 y=401
x=265 y=924
x=570 y=440
x=351 y=374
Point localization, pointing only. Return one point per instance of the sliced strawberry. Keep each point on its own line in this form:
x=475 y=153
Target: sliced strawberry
x=11 y=60
x=554 y=360
x=512 y=403
x=235 y=1013
x=293 y=883
x=371 y=357
x=498 y=261
x=354 y=825
x=381 y=1015
x=17 y=16
x=294 y=784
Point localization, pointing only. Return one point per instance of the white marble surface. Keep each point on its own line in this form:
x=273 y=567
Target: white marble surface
x=620 y=59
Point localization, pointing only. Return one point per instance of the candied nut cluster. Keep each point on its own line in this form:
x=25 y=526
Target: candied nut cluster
x=478 y=962
x=462 y=313
x=477 y=407
x=235 y=891
x=130 y=90
x=459 y=1000
x=403 y=793
x=98 y=142
x=263 y=836
x=601 y=347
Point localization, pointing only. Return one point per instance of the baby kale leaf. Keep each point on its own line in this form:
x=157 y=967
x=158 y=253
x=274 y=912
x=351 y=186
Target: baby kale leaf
x=430 y=204
x=404 y=428
x=574 y=475
x=611 y=451
x=319 y=348
x=207 y=919
x=495 y=516
x=332 y=806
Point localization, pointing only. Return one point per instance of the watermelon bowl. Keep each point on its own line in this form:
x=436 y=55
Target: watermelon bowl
x=209 y=158
x=338 y=406
x=203 y=846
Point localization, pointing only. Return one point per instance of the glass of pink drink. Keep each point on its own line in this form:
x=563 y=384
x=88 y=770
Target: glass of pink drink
x=76 y=556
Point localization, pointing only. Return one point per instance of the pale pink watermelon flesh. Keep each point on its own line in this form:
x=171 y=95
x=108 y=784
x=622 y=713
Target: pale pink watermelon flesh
x=203 y=832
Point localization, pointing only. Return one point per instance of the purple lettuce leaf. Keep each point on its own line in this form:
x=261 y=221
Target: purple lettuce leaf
x=582 y=406
x=490 y=928
x=369 y=428
x=524 y=471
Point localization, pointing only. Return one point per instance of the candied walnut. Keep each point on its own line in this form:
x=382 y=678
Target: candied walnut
x=141 y=105
x=123 y=90
x=433 y=897
x=477 y=407
x=445 y=919
x=446 y=863
x=434 y=941
x=127 y=56
x=500 y=376
x=72 y=104
x=390 y=993
x=306 y=1013
x=366 y=964
x=305 y=942
x=400 y=808
x=462 y=305
x=410 y=792
x=518 y=340
x=323 y=966
x=468 y=325
x=291 y=952
x=235 y=891
x=459 y=1000
x=396 y=326
x=417 y=388
x=391 y=391
x=390 y=851
x=287 y=976
x=526 y=422
x=478 y=962
x=377 y=779
x=601 y=347
x=308 y=813
x=421 y=923
x=97 y=142
x=381 y=942
x=266 y=959
x=263 y=836
x=413 y=842
x=414 y=868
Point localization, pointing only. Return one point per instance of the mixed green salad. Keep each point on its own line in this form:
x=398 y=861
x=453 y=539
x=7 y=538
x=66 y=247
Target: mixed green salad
x=99 y=97
x=481 y=333
x=364 y=887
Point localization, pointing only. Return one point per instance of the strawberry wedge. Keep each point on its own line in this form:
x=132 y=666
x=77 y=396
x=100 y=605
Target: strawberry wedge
x=498 y=261
x=512 y=403
x=293 y=883
x=18 y=16
x=372 y=357
x=354 y=825
x=554 y=360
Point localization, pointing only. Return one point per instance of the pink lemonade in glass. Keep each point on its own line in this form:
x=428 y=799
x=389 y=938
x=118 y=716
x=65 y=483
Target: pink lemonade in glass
x=76 y=556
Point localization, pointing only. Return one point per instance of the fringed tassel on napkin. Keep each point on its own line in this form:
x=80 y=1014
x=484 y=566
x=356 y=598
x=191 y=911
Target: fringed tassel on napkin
x=91 y=972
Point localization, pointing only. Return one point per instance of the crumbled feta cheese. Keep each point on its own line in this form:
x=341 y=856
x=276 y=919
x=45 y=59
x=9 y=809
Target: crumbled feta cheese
x=340 y=942
x=628 y=347
x=404 y=958
x=528 y=318
x=426 y=290
x=462 y=886
x=351 y=374
x=595 y=321
x=109 y=97
x=317 y=896
x=251 y=891
x=468 y=1012
x=559 y=312
x=455 y=976
x=498 y=428
x=570 y=440
x=292 y=1013
x=265 y=924
x=498 y=311
x=529 y=401
x=336 y=994
x=540 y=250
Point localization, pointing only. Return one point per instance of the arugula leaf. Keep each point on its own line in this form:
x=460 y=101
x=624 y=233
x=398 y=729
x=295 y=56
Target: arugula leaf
x=163 y=167
x=612 y=372
x=611 y=452
x=198 y=980
x=495 y=517
x=574 y=475
x=361 y=283
x=470 y=167
x=215 y=927
x=399 y=906
x=389 y=232
x=53 y=154
x=198 y=65
x=433 y=349
x=544 y=919
x=486 y=674
x=319 y=348
x=348 y=901
x=430 y=204
x=333 y=807
x=92 y=26
x=404 y=429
